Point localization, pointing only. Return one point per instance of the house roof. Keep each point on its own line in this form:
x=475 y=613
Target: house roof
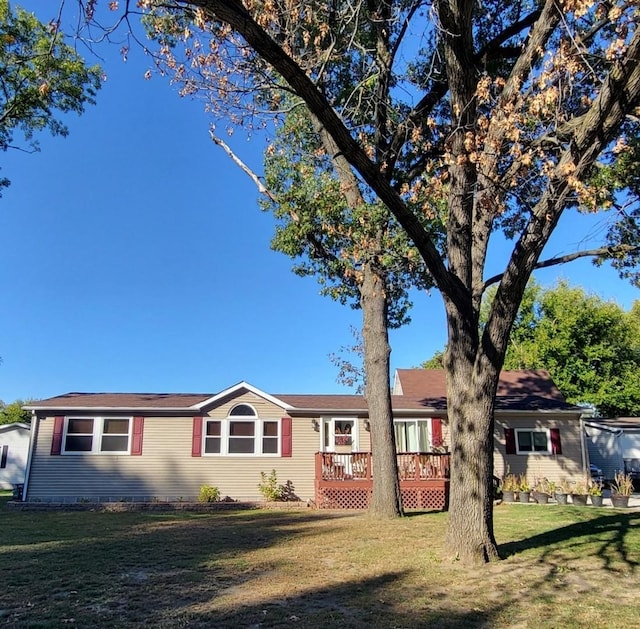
x=619 y=423
x=14 y=426
x=416 y=389
x=531 y=389
x=75 y=401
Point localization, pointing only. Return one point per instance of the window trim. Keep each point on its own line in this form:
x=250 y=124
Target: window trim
x=546 y=452
x=258 y=436
x=328 y=433
x=96 y=436
x=415 y=420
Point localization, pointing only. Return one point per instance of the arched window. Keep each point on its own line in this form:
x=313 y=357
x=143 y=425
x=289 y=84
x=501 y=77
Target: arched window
x=242 y=433
x=243 y=410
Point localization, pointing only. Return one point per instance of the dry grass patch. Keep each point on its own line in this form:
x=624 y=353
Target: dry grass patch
x=564 y=566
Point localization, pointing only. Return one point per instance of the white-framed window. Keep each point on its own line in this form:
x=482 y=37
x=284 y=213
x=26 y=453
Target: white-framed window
x=339 y=434
x=242 y=433
x=413 y=435
x=529 y=440
x=97 y=435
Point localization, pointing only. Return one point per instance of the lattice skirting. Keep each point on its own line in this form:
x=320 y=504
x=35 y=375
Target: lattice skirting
x=342 y=498
x=432 y=499
x=429 y=498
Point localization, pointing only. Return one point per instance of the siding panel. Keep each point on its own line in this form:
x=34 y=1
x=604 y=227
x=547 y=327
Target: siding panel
x=565 y=466
x=166 y=468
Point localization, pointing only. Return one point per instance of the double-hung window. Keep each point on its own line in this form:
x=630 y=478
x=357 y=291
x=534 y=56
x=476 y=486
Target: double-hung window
x=242 y=433
x=532 y=441
x=97 y=435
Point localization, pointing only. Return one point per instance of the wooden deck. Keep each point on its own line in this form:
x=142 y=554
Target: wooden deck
x=344 y=481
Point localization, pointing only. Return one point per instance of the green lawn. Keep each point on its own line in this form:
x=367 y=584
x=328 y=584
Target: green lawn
x=563 y=567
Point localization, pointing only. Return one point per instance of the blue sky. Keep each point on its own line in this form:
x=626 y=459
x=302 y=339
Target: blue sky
x=134 y=258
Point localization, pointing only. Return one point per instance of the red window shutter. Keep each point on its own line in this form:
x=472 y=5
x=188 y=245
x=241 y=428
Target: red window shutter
x=436 y=432
x=138 y=430
x=3 y=457
x=556 y=444
x=286 y=449
x=510 y=440
x=56 y=442
x=196 y=442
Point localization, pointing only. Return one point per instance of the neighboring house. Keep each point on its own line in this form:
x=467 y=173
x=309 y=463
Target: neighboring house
x=14 y=448
x=614 y=445
x=114 y=446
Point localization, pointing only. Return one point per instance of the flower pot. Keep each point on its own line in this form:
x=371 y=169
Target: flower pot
x=541 y=497
x=509 y=496
x=596 y=501
x=561 y=499
x=525 y=496
x=579 y=499
x=617 y=500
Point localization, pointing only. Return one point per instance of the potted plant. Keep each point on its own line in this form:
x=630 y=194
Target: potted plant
x=524 y=489
x=621 y=489
x=542 y=491
x=561 y=492
x=579 y=493
x=510 y=486
x=595 y=492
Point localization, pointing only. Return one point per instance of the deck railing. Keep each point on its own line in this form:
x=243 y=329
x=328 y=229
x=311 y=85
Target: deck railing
x=332 y=466
x=345 y=480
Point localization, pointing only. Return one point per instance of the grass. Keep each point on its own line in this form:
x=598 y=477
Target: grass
x=563 y=567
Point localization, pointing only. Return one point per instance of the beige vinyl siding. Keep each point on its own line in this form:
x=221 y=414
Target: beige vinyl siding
x=166 y=469
x=364 y=444
x=264 y=408
x=565 y=466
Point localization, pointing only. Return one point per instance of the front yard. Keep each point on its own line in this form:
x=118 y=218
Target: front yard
x=565 y=566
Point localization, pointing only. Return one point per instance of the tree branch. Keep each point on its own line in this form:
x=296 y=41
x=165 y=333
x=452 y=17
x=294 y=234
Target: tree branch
x=233 y=13
x=316 y=244
x=608 y=252
x=262 y=189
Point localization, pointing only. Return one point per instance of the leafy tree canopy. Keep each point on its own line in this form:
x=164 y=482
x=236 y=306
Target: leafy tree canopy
x=590 y=347
x=330 y=237
x=39 y=76
x=14 y=413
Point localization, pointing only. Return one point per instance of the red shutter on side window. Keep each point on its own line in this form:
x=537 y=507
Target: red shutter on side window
x=56 y=442
x=510 y=440
x=436 y=432
x=196 y=443
x=138 y=430
x=286 y=449
x=556 y=444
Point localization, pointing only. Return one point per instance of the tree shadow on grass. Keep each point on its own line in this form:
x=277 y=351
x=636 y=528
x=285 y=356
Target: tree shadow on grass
x=356 y=604
x=607 y=532
x=203 y=570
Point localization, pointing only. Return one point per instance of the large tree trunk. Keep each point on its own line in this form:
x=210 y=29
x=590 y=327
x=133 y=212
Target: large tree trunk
x=386 y=500
x=472 y=383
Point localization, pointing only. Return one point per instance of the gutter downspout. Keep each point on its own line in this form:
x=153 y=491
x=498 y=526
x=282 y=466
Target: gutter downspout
x=583 y=438
x=35 y=425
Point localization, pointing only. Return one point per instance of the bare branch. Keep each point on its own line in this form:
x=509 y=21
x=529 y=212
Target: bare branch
x=606 y=252
x=262 y=189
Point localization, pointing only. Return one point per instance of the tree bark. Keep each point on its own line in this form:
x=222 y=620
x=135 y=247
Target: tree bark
x=470 y=409
x=386 y=501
